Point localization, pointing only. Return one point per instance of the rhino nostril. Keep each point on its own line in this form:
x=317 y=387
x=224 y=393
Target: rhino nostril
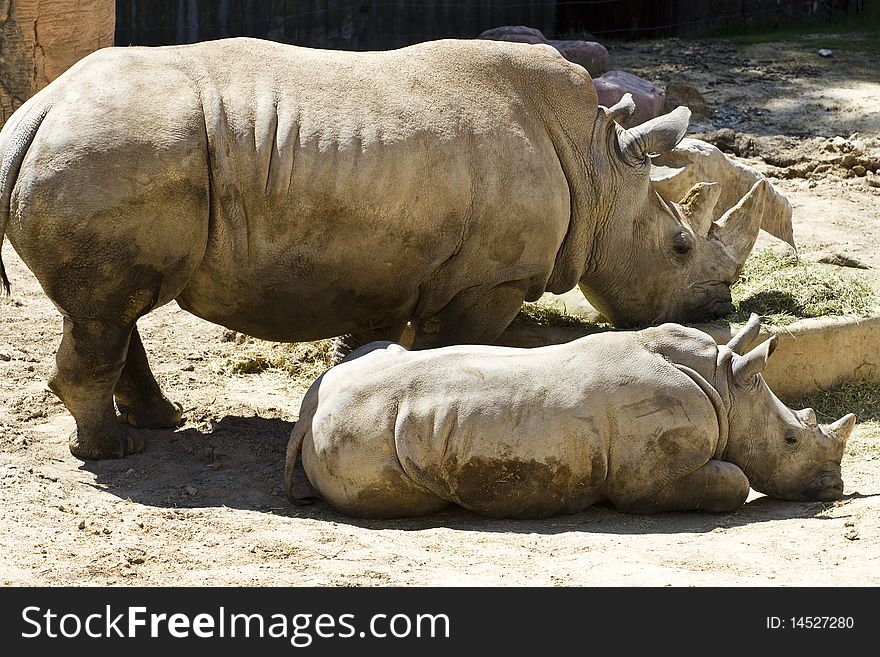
x=830 y=481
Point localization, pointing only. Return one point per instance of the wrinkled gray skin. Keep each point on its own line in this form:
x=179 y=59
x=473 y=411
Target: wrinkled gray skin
x=295 y=194
x=656 y=420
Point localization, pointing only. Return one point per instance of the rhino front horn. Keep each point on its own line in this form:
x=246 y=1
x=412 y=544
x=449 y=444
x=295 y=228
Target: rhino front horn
x=841 y=429
x=738 y=228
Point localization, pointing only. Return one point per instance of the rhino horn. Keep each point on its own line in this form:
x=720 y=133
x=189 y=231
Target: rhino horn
x=745 y=335
x=622 y=109
x=737 y=229
x=841 y=429
x=698 y=204
x=659 y=135
x=753 y=363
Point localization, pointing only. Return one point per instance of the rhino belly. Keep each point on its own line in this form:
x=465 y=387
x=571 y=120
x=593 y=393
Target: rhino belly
x=274 y=302
x=508 y=466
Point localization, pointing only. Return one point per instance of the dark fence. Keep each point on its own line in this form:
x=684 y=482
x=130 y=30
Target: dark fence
x=343 y=24
x=381 y=24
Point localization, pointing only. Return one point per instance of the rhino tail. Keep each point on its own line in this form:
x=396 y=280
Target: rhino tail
x=294 y=447
x=15 y=140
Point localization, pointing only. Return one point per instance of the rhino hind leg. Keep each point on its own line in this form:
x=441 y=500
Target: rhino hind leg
x=476 y=315
x=89 y=361
x=716 y=486
x=138 y=397
x=345 y=344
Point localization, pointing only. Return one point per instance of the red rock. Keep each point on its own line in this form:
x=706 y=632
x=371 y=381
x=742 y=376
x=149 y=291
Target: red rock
x=591 y=55
x=648 y=97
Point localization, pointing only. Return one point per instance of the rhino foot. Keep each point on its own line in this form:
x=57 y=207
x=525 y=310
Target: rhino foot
x=158 y=413
x=114 y=443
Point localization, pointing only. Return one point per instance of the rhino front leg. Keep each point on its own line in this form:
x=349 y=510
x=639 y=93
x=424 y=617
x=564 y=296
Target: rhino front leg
x=89 y=361
x=716 y=486
x=345 y=344
x=138 y=397
x=474 y=316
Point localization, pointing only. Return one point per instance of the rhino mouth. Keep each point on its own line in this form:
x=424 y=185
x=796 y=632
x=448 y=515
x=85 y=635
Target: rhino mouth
x=827 y=489
x=720 y=305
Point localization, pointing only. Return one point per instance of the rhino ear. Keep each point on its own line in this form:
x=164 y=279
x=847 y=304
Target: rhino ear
x=622 y=109
x=659 y=135
x=745 y=335
x=745 y=368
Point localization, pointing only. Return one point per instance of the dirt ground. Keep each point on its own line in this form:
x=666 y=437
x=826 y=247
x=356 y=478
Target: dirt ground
x=203 y=505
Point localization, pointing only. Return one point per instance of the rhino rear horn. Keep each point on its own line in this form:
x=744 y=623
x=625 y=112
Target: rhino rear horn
x=745 y=335
x=753 y=363
x=659 y=135
x=737 y=229
x=841 y=429
x=698 y=205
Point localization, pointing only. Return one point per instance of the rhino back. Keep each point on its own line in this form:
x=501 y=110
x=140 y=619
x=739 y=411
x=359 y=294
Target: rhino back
x=425 y=170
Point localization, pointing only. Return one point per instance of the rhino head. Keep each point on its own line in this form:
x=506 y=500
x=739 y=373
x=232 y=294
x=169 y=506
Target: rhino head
x=653 y=260
x=784 y=453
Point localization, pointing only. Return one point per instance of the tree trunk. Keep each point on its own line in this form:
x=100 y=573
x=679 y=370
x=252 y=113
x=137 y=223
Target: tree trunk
x=40 y=39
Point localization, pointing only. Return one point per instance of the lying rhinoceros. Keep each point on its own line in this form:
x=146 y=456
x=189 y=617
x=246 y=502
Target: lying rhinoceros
x=295 y=194
x=656 y=420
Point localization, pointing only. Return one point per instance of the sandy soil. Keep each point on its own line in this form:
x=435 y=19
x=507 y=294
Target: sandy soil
x=204 y=504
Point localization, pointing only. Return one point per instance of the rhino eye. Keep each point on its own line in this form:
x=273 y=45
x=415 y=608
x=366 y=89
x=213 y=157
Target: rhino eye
x=790 y=438
x=682 y=243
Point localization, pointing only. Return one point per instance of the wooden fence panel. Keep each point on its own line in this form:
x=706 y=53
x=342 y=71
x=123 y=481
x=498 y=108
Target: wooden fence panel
x=346 y=24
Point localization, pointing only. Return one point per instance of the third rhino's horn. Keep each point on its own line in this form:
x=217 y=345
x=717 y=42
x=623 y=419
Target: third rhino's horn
x=737 y=229
x=842 y=428
x=698 y=204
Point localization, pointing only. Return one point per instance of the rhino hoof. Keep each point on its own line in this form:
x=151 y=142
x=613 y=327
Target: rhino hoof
x=163 y=414
x=106 y=445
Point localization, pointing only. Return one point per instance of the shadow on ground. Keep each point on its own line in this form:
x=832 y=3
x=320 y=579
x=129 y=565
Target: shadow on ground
x=239 y=463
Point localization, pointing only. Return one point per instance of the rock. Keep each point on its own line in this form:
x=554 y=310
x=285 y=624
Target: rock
x=852 y=534
x=591 y=55
x=873 y=180
x=81 y=525
x=824 y=52
x=859 y=170
x=648 y=97
x=679 y=92
x=190 y=490
x=5 y=355
x=519 y=33
x=30 y=58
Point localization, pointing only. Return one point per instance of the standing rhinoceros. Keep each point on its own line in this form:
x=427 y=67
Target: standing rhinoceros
x=656 y=420
x=294 y=194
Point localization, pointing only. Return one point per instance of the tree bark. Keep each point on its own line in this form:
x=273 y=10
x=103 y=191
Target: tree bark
x=40 y=39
